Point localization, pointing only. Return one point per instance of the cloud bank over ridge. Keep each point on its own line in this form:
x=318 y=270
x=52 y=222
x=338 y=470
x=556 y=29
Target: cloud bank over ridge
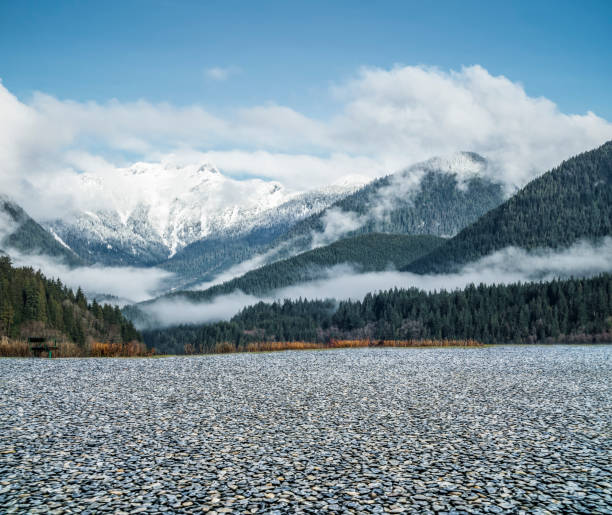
x=342 y=282
x=128 y=284
x=384 y=120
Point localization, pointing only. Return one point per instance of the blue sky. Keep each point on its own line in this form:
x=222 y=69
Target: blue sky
x=291 y=52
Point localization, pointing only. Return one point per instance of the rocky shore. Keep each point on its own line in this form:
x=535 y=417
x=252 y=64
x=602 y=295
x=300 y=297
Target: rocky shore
x=476 y=430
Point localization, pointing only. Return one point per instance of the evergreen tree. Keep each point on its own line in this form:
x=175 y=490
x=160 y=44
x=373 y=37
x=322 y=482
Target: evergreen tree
x=27 y=296
x=531 y=312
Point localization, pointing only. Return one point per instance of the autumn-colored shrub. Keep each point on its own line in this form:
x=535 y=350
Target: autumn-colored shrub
x=68 y=350
x=14 y=348
x=280 y=346
x=428 y=343
x=404 y=343
x=341 y=344
x=224 y=348
x=21 y=348
x=108 y=350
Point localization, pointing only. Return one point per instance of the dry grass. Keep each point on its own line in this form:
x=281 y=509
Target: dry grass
x=224 y=348
x=112 y=350
x=342 y=344
x=68 y=350
x=21 y=349
x=427 y=343
x=14 y=348
x=278 y=346
x=338 y=344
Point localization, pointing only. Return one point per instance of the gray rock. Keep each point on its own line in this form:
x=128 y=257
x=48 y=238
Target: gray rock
x=497 y=429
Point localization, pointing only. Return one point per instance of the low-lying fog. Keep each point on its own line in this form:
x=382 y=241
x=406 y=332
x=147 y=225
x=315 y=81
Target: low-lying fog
x=342 y=282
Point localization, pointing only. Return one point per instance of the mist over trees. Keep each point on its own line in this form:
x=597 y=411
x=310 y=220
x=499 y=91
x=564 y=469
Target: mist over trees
x=569 y=310
x=29 y=237
x=568 y=203
x=438 y=206
x=367 y=252
x=32 y=305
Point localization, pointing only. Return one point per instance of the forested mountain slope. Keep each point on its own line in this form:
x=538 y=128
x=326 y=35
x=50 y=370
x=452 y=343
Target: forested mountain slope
x=20 y=232
x=32 y=305
x=204 y=259
x=438 y=197
x=569 y=310
x=369 y=252
x=566 y=204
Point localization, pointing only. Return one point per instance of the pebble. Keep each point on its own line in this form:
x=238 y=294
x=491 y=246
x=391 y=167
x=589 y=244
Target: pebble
x=507 y=429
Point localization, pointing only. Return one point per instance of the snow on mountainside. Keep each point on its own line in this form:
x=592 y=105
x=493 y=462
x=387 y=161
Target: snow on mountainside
x=464 y=164
x=21 y=234
x=438 y=197
x=146 y=213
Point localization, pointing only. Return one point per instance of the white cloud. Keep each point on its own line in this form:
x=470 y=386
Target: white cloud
x=421 y=112
x=220 y=74
x=297 y=171
x=129 y=284
x=383 y=120
x=242 y=268
x=7 y=225
x=177 y=311
x=337 y=223
x=342 y=282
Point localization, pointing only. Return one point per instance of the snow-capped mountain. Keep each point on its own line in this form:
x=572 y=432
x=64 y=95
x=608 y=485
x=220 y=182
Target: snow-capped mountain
x=437 y=197
x=464 y=164
x=146 y=213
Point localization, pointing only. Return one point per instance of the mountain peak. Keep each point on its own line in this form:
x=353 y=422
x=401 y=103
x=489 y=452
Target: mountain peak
x=208 y=168
x=460 y=163
x=156 y=209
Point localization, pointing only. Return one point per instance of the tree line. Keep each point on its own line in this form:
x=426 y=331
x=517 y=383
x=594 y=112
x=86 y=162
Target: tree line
x=32 y=305
x=577 y=309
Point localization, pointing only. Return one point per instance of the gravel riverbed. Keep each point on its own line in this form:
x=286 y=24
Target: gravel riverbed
x=494 y=429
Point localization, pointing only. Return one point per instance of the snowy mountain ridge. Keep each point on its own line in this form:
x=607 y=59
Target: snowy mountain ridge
x=464 y=165
x=147 y=212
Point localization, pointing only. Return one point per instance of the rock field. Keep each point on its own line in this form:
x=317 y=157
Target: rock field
x=506 y=429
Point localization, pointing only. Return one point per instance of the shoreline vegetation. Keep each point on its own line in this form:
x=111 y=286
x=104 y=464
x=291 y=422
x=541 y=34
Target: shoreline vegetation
x=10 y=348
x=576 y=310
x=274 y=346
x=21 y=349
x=33 y=306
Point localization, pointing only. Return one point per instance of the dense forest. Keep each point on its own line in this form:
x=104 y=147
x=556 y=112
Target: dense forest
x=28 y=237
x=568 y=203
x=561 y=310
x=32 y=305
x=368 y=252
x=205 y=258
